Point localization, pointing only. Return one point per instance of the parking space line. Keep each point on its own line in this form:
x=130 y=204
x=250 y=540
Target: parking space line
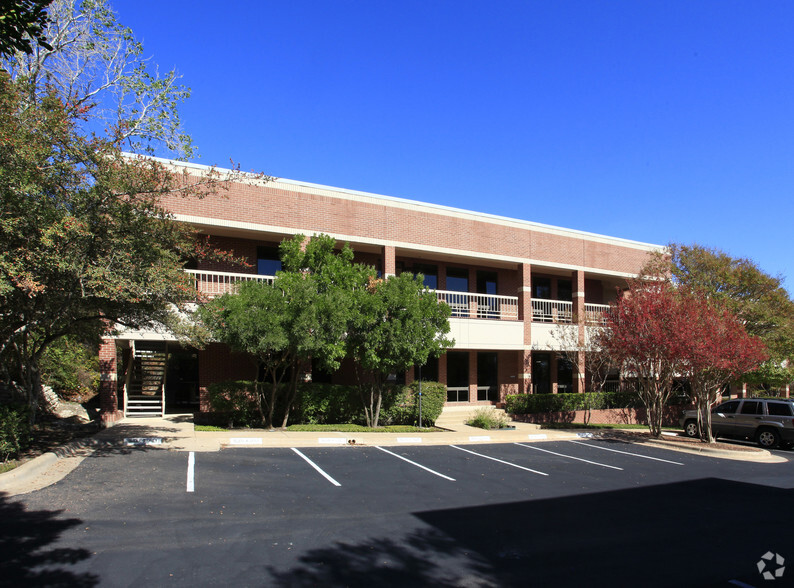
x=416 y=464
x=500 y=461
x=316 y=467
x=627 y=453
x=603 y=465
x=191 y=469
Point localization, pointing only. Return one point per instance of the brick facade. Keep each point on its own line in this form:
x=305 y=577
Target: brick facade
x=397 y=235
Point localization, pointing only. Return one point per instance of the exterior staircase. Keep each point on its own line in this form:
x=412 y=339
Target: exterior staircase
x=145 y=391
x=453 y=416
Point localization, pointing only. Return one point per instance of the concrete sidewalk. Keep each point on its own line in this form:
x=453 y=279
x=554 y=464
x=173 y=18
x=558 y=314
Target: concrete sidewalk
x=177 y=433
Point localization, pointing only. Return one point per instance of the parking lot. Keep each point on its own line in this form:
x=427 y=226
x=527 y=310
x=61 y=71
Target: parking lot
x=579 y=512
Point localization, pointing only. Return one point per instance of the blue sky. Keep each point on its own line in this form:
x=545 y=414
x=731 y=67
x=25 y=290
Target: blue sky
x=648 y=120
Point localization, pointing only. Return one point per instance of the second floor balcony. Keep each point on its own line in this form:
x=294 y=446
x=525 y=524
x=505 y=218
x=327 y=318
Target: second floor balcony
x=463 y=304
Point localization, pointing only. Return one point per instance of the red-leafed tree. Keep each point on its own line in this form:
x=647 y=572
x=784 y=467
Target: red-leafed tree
x=717 y=351
x=643 y=335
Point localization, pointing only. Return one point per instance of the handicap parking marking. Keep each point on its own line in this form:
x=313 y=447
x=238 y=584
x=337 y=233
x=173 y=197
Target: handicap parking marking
x=316 y=467
x=626 y=452
x=603 y=465
x=191 y=472
x=416 y=464
x=501 y=461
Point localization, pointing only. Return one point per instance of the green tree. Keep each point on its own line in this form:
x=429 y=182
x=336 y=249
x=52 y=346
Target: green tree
x=84 y=242
x=398 y=324
x=302 y=316
x=21 y=23
x=758 y=299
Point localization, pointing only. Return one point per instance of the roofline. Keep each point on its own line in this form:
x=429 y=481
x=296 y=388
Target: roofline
x=406 y=202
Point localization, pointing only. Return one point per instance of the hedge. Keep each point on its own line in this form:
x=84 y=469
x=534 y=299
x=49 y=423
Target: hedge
x=537 y=403
x=232 y=403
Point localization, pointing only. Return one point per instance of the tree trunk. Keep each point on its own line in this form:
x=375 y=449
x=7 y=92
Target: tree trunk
x=292 y=393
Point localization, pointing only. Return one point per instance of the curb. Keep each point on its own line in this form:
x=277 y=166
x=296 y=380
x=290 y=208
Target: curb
x=28 y=470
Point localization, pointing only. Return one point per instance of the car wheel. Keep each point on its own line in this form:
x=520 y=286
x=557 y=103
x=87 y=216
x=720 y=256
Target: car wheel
x=767 y=438
x=691 y=429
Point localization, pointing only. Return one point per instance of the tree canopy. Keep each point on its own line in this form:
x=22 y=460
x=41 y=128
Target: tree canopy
x=23 y=22
x=756 y=298
x=94 y=64
x=398 y=324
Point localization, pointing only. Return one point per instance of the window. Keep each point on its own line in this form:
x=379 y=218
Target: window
x=541 y=288
x=564 y=291
x=430 y=273
x=728 y=407
x=429 y=371
x=457 y=279
x=541 y=373
x=458 y=376
x=487 y=379
x=486 y=282
x=779 y=408
x=564 y=375
x=751 y=407
x=268 y=261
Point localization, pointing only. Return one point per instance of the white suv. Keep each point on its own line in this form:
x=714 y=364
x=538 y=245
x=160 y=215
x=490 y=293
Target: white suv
x=768 y=422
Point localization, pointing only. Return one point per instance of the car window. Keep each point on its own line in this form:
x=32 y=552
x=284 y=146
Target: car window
x=779 y=408
x=751 y=407
x=728 y=407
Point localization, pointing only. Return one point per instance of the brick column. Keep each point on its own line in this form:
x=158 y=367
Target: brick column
x=108 y=385
x=524 y=374
x=389 y=261
x=578 y=283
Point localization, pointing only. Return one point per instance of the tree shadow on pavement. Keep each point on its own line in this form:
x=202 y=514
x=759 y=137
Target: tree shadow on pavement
x=27 y=554
x=706 y=532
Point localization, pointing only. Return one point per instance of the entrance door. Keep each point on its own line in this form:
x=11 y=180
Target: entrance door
x=181 y=382
x=541 y=373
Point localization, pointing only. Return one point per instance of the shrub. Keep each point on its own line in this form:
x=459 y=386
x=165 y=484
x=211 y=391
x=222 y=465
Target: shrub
x=488 y=418
x=234 y=402
x=70 y=367
x=401 y=404
x=14 y=430
x=320 y=404
x=539 y=403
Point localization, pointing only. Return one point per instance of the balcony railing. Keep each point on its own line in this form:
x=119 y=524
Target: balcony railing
x=485 y=306
x=551 y=311
x=594 y=314
x=213 y=284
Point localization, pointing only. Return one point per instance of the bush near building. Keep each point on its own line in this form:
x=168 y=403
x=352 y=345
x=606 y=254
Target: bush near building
x=233 y=404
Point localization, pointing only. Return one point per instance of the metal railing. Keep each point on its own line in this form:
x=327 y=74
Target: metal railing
x=551 y=311
x=485 y=306
x=213 y=284
x=594 y=314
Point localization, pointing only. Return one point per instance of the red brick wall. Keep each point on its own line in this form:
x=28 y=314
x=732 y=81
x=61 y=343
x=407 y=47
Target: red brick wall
x=281 y=206
x=218 y=364
x=108 y=385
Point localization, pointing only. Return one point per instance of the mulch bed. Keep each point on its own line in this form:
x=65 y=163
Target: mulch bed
x=50 y=433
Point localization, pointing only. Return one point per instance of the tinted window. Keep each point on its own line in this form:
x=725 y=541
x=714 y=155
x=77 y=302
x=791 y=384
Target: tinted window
x=751 y=407
x=728 y=407
x=457 y=279
x=779 y=408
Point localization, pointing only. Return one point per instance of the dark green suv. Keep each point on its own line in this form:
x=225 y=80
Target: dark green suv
x=768 y=422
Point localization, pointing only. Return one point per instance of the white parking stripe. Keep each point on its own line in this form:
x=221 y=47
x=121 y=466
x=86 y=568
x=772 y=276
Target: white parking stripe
x=627 y=453
x=191 y=470
x=603 y=465
x=316 y=467
x=416 y=464
x=500 y=461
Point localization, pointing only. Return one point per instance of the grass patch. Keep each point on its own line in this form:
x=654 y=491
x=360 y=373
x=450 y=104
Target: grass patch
x=7 y=466
x=341 y=428
x=348 y=428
